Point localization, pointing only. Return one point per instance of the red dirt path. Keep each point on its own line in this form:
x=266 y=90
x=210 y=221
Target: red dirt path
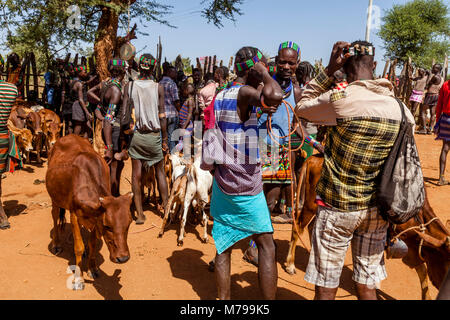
x=158 y=269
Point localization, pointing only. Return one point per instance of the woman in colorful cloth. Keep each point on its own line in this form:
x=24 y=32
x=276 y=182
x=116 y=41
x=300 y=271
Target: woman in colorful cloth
x=230 y=151
x=442 y=128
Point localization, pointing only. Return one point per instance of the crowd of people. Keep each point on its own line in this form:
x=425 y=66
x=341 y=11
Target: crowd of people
x=260 y=111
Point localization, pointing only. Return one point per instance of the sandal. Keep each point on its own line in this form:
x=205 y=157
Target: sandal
x=443 y=182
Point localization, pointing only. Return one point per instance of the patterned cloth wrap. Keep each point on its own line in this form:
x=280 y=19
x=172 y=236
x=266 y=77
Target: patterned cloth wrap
x=443 y=128
x=416 y=96
x=10 y=158
x=275 y=167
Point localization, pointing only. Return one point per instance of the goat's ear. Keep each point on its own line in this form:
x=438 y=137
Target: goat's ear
x=447 y=225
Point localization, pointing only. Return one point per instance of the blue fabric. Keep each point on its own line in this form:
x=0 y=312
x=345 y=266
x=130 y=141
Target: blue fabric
x=233 y=129
x=280 y=124
x=443 y=127
x=237 y=217
x=172 y=125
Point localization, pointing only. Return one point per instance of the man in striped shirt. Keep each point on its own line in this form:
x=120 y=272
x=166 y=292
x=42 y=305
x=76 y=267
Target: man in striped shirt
x=8 y=95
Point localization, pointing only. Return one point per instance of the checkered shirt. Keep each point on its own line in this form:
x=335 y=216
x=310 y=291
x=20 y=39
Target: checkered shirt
x=356 y=149
x=170 y=96
x=354 y=156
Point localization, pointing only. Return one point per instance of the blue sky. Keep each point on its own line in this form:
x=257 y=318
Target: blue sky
x=314 y=25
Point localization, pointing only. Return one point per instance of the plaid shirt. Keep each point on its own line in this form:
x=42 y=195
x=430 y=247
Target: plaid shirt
x=170 y=96
x=354 y=155
x=357 y=144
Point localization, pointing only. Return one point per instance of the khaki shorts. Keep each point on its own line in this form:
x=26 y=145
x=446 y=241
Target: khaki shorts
x=332 y=234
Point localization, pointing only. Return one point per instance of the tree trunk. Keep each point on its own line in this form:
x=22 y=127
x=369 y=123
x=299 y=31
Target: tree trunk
x=106 y=40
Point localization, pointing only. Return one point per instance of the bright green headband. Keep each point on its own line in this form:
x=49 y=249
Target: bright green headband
x=249 y=63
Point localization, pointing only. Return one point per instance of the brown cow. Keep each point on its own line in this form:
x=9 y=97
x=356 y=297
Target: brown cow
x=78 y=180
x=431 y=258
x=18 y=117
x=33 y=122
x=51 y=126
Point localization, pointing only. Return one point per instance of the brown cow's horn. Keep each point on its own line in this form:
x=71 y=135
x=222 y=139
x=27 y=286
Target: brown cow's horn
x=431 y=240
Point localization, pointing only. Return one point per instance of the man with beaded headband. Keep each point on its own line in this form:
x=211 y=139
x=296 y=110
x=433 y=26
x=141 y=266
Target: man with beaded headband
x=276 y=169
x=150 y=131
x=230 y=152
x=108 y=111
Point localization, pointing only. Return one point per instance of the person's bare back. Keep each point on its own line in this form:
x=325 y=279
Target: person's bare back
x=420 y=84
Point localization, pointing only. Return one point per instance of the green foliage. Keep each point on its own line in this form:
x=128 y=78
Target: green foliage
x=419 y=29
x=219 y=9
x=41 y=25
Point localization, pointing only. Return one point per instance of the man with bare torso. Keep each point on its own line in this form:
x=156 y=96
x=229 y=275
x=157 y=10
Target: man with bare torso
x=431 y=98
x=419 y=87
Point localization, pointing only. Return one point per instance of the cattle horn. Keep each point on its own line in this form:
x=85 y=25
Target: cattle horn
x=431 y=240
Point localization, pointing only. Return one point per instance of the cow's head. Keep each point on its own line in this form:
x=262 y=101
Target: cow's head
x=115 y=224
x=25 y=139
x=53 y=131
x=33 y=123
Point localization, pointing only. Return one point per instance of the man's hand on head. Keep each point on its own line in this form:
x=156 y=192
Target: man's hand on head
x=337 y=59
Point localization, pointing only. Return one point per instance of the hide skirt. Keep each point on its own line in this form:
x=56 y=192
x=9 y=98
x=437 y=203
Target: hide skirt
x=237 y=217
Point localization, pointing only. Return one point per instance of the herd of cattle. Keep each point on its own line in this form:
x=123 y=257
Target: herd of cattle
x=78 y=180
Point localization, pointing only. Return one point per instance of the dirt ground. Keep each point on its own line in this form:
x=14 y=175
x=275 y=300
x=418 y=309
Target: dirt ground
x=158 y=269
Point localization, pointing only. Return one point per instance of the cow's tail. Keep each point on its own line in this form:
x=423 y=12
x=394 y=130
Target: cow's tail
x=62 y=218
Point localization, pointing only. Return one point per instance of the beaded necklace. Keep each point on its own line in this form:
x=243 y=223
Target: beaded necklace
x=288 y=90
x=117 y=83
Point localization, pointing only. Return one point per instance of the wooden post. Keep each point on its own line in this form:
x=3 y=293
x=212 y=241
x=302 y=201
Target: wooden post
x=199 y=65
x=230 y=64
x=27 y=71
x=445 y=67
x=75 y=60
x=35 y=74
x=66 y=61
x=386 y=66
x=158 y=58
x=91 y=63
x=205 y=65
x=214 y=63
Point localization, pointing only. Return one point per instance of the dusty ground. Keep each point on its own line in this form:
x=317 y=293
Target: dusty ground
x=158 y=269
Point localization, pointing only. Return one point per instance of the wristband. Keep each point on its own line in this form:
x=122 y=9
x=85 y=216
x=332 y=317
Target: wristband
x=109 y=146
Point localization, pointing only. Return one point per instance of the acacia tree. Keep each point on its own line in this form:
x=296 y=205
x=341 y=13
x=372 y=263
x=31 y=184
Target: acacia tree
x=42 y=25
x=419 y=29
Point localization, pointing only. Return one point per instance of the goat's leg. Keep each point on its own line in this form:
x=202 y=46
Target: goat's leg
x=205 y=222
x=187 y=204
x=423 y=277
x=290 y=260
